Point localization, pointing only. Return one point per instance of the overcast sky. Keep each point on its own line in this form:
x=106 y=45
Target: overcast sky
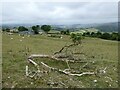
x=59 y=12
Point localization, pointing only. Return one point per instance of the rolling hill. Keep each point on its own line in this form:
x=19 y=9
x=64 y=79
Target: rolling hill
x=104 y=27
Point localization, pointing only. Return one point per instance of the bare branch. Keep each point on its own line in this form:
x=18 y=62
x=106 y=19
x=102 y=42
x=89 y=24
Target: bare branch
x=66 y=48
x=27 y=71
x=67 y=73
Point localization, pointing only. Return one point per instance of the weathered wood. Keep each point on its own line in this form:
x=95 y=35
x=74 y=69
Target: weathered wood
x=34 y=63
x=54 y=58
x=39 y=55
x=74 y=44
x=67 y=73
x=68 y=64
x=27 y=71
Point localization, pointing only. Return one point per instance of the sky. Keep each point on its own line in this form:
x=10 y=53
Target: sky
x=36 y=12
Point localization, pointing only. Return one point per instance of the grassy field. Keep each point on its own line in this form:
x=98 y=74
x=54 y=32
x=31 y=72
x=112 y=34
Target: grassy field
x=86 y=30
x=104 y=53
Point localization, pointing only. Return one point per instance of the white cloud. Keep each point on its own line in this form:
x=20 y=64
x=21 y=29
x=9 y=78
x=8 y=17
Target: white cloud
x=59 y=12
x=60 y=0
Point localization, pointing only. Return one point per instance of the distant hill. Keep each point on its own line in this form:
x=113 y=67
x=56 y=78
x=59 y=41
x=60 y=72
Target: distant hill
x=108 y=27
x=86 y=30
x=104 y=27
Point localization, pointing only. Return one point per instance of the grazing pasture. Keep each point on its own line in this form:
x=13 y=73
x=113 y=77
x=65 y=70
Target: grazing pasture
x=103 y=55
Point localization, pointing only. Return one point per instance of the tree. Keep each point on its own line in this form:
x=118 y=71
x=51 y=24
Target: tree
x=35 y=29
x=105 y=36
x=83 y=34
x=98 y=34
x=3 y=29
x=114 y=36
x=76 y=38
x=67 y=32
x=93 y=34
x=22 y=28
x=87 y=33
x=46 y=28
x=118 y=37
x=7 y=29
x=62 y=32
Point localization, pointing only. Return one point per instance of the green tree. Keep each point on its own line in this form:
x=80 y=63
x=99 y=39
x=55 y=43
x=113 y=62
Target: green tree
x=22 y=28
x=105 y=36
x=35 y=29
x=98 y=34
x=118 y=37
x=46 y=28
x=7 y=30
x=93 y=34
x=114 y=36
x=83 y=34
x=67 y=32
x=76 y=38
x=87 y=33
x=62 y=32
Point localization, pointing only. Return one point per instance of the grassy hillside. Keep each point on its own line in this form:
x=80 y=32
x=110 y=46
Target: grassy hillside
x=108 y=27
x=103 y=53
x=86 y=30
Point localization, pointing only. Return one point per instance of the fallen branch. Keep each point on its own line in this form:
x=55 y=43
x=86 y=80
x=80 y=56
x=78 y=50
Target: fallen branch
x=84 y=73
x=85 y=65
x=62 y=83
x=53 y=58
x=68 y=64
x=34 y=63
x=27 y=71
x=39 y=55
x=67 y=73
x=75 y=44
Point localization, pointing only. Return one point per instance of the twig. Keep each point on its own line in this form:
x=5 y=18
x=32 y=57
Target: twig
x=27 y=71
x=85 y=65
x=68 y=64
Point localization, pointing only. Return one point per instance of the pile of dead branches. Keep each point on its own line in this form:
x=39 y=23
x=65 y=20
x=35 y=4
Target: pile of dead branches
x=57 y=56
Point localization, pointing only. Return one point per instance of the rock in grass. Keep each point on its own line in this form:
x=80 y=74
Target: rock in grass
x=20 y=40
x=95 y=81
x=8 y=77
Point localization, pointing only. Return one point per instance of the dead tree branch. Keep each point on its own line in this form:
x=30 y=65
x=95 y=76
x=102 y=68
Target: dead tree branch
x=68 y=46
x=52 y=57
x=67 y=73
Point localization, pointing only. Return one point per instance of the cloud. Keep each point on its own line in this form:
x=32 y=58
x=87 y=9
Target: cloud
x=59 y=12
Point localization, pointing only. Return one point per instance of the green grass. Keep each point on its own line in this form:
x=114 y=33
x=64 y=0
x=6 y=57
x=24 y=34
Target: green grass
x=86 y=30
x=103 y=52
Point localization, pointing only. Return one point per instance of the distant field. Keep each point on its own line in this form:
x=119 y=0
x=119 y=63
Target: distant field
x=103 y=52
x=86 y=30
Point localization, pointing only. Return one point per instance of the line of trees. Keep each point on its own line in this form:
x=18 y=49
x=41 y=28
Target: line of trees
x=107 y=36
x=6 y=29
x=45 y=28
x=36 y=28
x=22 y=28
x=65 y=32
